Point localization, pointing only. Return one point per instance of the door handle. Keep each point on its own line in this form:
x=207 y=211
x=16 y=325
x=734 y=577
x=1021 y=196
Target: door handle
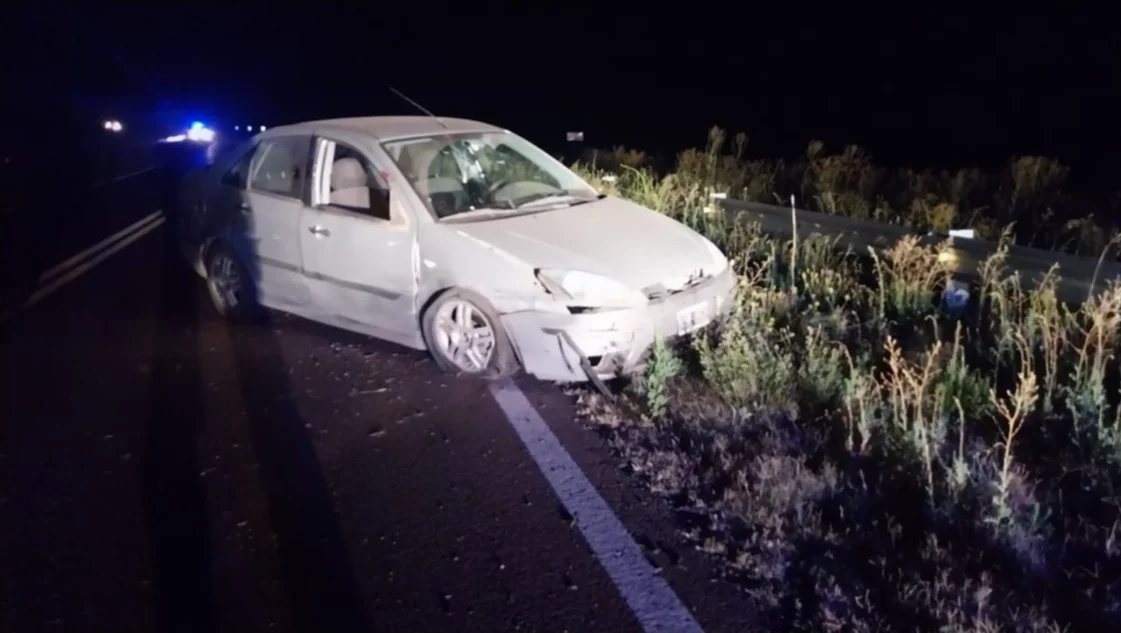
x=244 y=207
x=319 y=231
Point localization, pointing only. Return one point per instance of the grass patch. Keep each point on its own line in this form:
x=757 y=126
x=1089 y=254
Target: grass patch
x=859 y=458
x=1026 y=196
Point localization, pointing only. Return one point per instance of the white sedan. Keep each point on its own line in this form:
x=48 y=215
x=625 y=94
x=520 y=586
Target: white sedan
x=448 y=235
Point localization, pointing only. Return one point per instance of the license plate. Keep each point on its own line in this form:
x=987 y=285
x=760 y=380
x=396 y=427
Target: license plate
x=693 y=318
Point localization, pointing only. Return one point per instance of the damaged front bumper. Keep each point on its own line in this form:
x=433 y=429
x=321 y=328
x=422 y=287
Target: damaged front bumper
x=554 y=346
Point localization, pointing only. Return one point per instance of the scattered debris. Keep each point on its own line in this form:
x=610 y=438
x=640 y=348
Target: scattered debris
x=671 y=554
x=645 y=541
x=566 y=515
x=568 y=582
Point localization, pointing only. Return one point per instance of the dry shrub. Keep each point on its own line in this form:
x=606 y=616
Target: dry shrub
x=1086 y=395
x=916 y=412
x=800 y=451
x=1013 y=410
x=751 y=367
x=907 y=277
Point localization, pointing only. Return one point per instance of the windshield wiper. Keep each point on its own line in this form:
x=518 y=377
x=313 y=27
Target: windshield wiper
x=514 y=207
x=478 y=213
x=541 y=196
x=599 y=196
x=518 y=203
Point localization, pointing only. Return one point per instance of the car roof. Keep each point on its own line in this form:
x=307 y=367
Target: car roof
x=384 y=128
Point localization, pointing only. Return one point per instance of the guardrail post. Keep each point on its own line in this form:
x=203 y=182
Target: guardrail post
x=793 y=246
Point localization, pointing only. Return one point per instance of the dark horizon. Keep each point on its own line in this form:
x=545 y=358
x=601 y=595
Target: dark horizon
x=919 y=90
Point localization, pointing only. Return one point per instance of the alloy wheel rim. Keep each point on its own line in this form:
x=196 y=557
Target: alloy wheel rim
x=464 y=336
x=225 y=283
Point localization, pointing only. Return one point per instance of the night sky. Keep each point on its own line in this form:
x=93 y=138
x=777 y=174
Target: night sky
x=941 y=86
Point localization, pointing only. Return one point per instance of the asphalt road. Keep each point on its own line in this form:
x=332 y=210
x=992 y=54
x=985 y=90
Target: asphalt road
x=161 y=469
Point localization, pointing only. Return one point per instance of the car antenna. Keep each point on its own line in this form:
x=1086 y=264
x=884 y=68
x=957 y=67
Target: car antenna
x=418 y=106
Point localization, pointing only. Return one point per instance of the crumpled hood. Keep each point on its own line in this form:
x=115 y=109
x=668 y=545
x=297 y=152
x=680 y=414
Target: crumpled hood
x=611 y=237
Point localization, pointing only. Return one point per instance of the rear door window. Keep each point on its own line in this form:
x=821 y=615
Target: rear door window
x=238 y=174
x=279 y=166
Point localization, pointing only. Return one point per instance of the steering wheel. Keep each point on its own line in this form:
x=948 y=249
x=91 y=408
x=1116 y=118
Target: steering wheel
x=497 y=186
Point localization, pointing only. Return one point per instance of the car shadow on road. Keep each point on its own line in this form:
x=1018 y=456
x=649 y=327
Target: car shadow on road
x=315 y=560
x=315 y=563
x=174 y=495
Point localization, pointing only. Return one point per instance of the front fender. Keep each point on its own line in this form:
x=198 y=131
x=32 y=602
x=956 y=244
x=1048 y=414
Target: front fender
x=451 y=258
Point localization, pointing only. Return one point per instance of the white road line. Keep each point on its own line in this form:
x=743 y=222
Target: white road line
x=54 y=270
x=94 y=186
x=125 y=177
x=78 y=271
x=63 y=266
x=653 y=602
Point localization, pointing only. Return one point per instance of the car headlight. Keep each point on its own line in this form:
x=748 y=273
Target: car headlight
x=720 y=261
x=590 y=289
x=948 y=257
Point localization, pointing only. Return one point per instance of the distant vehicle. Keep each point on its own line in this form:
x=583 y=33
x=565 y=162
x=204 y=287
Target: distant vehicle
x=197 y=133
x=448 y=235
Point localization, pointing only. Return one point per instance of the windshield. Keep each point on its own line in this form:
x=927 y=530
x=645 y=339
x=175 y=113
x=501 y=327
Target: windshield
x=496 y=171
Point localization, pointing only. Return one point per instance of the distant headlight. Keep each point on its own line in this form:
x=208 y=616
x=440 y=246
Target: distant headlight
x=589 y=289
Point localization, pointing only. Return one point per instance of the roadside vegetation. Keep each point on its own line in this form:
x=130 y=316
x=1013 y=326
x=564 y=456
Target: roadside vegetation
x=1027 y=193
x=861 y=457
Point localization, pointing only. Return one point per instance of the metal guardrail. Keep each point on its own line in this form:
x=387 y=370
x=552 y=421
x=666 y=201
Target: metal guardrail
x=1077 y=274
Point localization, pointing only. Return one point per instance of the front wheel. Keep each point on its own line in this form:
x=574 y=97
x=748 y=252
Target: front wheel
x=227 y=282
x=465 y=337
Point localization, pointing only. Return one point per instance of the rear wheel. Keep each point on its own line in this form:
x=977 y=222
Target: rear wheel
x=465 y=336
x=227 y=282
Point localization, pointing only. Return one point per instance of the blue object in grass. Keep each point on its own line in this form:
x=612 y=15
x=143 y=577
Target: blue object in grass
x=955 y=297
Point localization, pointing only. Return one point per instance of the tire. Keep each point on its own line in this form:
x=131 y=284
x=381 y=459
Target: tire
x=447 y=310
x=232 y=298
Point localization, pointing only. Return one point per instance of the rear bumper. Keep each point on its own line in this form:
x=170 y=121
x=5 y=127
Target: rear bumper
x=615 y=342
